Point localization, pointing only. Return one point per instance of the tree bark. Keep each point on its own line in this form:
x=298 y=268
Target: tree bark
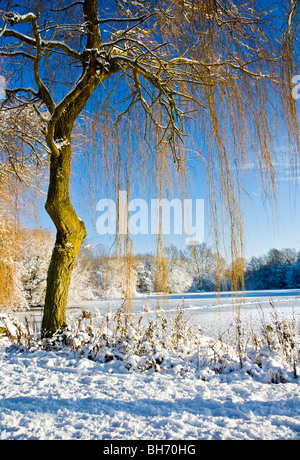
x=70 y=234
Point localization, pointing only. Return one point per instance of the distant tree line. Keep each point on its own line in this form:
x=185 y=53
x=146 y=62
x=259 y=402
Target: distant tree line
x=196 y=269
x=278 y=269
x=25 y=254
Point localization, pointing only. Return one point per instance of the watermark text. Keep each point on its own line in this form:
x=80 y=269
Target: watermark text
x=159 y=216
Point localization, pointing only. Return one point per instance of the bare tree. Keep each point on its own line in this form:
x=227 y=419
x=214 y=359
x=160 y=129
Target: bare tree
x=23 y=157
x=184 y=66
x=23 y=166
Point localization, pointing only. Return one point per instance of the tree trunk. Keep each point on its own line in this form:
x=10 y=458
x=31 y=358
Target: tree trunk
x=70 y=229
x=70 y=234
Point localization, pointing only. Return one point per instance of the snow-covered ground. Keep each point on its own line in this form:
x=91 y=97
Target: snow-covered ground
x=51 y=397
x=57 y=395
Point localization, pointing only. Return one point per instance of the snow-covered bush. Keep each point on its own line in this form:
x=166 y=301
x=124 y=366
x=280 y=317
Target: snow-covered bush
x=279 y=340
x=165 y=344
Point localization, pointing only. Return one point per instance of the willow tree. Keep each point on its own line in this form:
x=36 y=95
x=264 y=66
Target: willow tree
x=204 y=70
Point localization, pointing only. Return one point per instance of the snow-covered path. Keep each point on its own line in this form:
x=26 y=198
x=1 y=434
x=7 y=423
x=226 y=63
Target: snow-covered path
x=47 y=396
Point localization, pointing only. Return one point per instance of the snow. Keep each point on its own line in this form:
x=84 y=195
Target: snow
x=213 y=312
x=54 y=397
x=61 y=394
x=60 y=143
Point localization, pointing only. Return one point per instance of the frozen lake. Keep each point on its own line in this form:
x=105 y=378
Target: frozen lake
x=214 y=313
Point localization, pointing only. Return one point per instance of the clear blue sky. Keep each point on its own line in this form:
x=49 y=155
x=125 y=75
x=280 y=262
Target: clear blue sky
x=267 y=228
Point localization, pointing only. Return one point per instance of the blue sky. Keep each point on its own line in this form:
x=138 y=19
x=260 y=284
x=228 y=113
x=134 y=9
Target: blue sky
x=265 y=227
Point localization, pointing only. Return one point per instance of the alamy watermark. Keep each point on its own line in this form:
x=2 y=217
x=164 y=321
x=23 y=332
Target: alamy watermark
x=161 y=216
x=296 y=88
x=2 y=88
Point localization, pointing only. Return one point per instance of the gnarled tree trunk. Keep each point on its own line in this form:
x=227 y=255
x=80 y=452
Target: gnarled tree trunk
x=70 y=229
x=70 y=234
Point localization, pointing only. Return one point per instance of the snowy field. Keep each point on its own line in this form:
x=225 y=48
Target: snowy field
x=55 y=395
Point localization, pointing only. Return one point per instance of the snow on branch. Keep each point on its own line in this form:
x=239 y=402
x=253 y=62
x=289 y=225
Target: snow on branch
x=13 y=18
